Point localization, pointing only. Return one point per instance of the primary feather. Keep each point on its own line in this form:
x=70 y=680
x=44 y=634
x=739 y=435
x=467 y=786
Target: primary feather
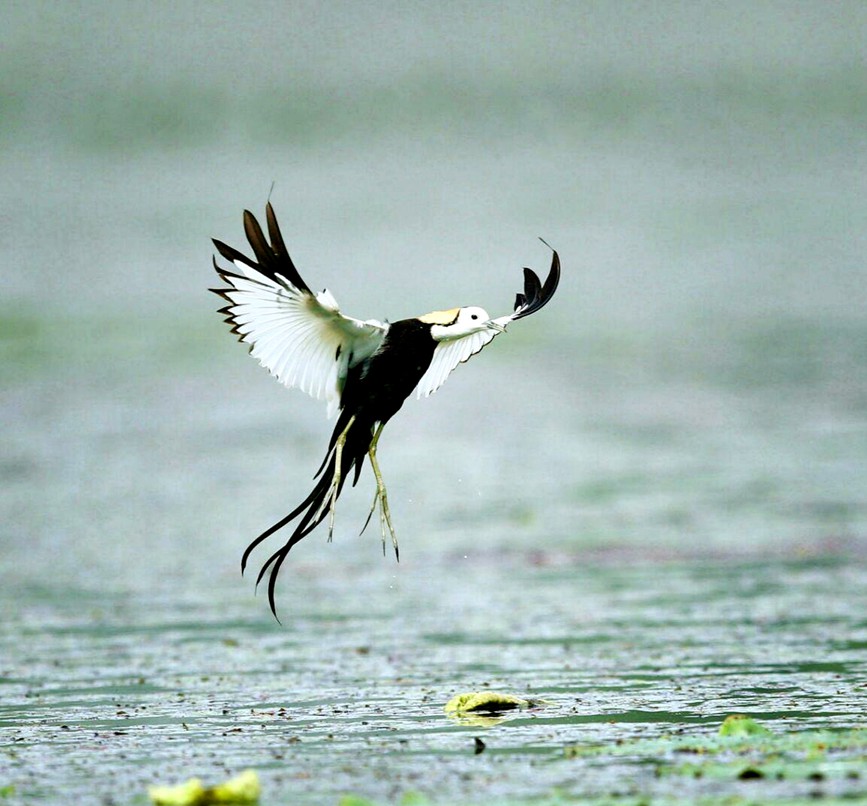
x=451 y=352
x=301 y=338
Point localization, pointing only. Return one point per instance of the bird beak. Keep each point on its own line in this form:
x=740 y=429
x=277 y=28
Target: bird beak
x=496 y=326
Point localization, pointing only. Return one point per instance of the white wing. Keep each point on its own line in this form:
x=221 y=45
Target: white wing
x=448 y=354
x=451 y=352
x=300 y=337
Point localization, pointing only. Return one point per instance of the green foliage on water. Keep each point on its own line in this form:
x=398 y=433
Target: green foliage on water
x=742 y=750
x=738 y=725
x=745 y=750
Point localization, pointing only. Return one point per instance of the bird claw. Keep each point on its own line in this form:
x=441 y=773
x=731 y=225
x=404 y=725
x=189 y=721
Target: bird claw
x=331 y=509
x=381 y=498
x=331 y=500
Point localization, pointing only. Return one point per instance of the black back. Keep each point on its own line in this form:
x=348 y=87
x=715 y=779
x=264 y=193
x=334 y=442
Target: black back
x=376 y=388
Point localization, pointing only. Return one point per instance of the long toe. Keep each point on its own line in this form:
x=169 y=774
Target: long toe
x=386 y=523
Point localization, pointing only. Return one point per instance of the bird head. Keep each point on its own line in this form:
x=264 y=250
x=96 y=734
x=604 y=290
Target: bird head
x=458 y=322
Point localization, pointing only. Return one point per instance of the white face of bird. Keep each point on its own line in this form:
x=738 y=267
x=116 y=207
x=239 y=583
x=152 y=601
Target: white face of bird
x=458 y=322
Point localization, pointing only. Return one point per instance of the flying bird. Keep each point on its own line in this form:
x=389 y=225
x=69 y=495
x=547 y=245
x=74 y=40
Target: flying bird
x=364 y=369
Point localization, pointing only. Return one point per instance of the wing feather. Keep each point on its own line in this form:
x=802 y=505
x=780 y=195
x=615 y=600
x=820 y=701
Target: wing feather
x=447 y=355
x=451 y=352
x=301 y=338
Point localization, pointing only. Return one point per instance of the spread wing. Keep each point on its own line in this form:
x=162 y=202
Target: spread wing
x=448 y=354
x=302 y=338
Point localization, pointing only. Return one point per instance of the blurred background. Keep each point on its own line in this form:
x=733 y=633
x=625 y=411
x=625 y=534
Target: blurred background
x=698 y=385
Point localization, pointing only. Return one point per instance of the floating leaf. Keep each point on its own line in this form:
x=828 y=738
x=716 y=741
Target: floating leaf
x=488 y=702
x=190 y=793
x=243 y=789
x=739 y=726
x=749 y=753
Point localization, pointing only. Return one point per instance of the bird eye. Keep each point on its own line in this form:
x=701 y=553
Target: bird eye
x=474 y=316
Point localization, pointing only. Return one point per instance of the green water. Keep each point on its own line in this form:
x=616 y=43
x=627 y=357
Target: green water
x=646 y=507
x=349 y=697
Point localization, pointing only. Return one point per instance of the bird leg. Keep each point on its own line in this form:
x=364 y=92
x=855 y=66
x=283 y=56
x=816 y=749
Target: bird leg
x=334 y=489
x=381 y=498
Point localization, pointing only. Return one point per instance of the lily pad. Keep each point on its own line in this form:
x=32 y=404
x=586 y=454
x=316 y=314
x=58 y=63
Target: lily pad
x=242 y=789
x=738 y=725
x=742 y=749
x=487 y=702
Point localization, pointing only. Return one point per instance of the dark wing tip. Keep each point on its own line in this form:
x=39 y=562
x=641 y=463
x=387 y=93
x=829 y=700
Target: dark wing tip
x=232 y=255
x=536 y=295
x=274 y=232
x=271 y=259
x=532 y=284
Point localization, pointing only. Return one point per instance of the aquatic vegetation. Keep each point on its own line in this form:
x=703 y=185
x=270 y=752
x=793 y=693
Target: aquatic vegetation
x=489 y=702
x=743 y=749
x=242 y=789
x=738 y=725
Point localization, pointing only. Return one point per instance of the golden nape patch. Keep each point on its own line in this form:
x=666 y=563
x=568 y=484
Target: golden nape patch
x=440 y=317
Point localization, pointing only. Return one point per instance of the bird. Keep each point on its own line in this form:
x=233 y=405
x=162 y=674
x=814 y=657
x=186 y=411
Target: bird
x=364 y=369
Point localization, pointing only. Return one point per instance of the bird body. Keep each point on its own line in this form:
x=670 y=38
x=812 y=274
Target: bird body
x=363 y=369
x=379 y=384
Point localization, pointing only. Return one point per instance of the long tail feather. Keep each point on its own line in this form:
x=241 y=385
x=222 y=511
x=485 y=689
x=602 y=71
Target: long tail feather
x=314 y=508
x=315 y=495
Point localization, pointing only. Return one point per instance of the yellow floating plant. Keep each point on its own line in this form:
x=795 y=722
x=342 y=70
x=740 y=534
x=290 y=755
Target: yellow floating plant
x=242 y=789
x=489 y=702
